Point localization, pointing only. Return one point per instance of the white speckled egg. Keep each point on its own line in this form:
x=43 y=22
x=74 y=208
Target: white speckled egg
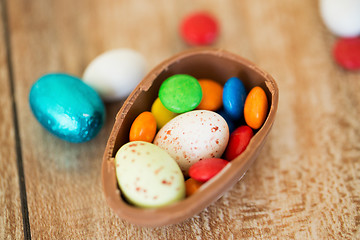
x=342 y=17
x=148 y=176
x=193 y=136
x=114 y=74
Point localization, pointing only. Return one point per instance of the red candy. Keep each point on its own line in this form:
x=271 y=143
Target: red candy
x=205 y=169
x=199 y=29
x=238 y=141
x=347 y=53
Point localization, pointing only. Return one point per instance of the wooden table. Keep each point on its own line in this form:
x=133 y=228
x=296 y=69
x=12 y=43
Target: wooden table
x=304 y=185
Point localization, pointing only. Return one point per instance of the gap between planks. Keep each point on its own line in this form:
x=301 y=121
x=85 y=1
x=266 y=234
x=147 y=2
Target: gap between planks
x=19 y=159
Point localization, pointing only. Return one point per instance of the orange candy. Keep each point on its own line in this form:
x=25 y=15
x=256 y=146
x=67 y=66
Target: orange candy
x=143 y=128
x=212 y=95
x=255 y=108
x=192 y=186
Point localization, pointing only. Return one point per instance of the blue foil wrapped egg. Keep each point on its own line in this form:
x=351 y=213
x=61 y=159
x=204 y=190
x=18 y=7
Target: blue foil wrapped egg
x=67 y=107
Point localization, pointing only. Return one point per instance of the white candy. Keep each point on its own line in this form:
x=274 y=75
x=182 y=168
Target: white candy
x=114 y=74
x=341 y=17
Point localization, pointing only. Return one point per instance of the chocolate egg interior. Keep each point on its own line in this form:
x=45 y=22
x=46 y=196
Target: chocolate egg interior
x=215 y=64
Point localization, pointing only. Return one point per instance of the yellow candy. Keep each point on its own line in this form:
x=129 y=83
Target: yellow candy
x=161 y=114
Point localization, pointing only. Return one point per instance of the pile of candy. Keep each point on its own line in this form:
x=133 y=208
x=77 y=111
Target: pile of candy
x=194 y=129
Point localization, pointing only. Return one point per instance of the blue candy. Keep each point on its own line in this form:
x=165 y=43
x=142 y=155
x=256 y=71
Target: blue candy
x=67 y=107
x=234 y=95
x=228 y=119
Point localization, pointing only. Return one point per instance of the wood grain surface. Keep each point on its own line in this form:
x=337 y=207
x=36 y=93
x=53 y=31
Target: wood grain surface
x=304 y=185
x=10 y=212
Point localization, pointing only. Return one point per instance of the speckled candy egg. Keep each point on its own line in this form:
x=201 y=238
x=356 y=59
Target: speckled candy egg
x=67 y=107
x=148 y=176
x=193 y=136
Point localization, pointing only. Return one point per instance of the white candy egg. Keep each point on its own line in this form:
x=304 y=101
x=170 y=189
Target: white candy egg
x=193 y=136
x=341 y=17
x=114 y=74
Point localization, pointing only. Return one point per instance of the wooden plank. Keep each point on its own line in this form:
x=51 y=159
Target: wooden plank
x=10 y=213
x=310 y=181
x=305 y=183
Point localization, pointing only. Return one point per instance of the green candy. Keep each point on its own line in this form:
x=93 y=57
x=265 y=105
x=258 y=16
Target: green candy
x=180 y=93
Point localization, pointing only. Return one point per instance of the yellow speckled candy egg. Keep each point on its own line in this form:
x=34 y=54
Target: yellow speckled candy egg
x=148 y=176
x=193 y=136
